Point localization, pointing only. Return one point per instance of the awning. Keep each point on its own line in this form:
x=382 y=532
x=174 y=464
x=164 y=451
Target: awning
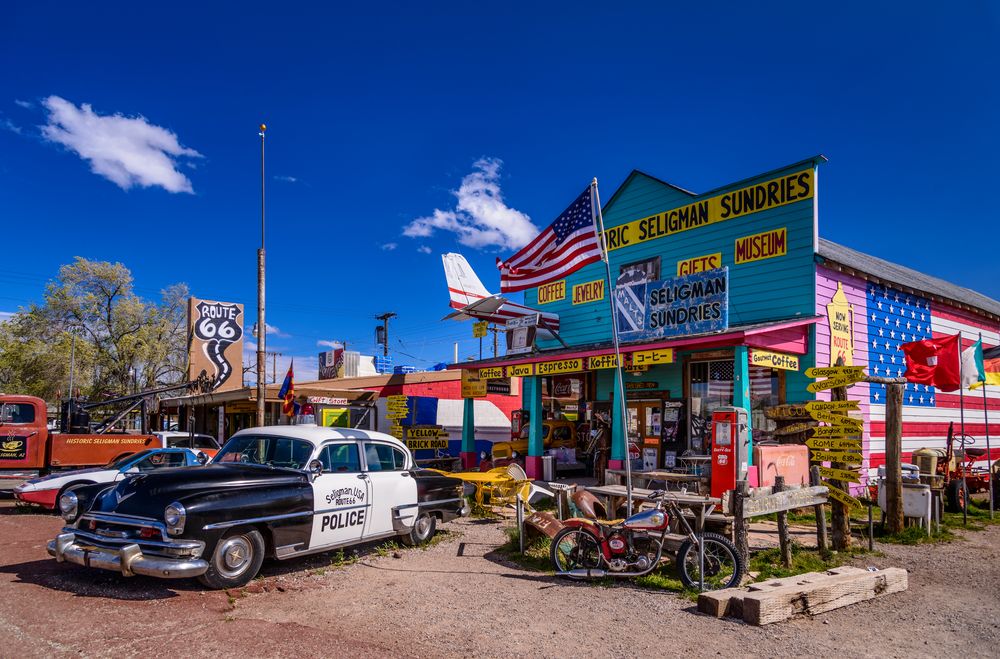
x=303 y=393
x=789 y=335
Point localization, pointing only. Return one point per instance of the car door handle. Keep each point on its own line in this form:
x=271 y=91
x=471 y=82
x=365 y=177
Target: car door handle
x=404 y=473
x=362 y=476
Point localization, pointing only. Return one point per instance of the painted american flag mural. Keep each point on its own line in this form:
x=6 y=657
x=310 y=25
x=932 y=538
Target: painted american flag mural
x=894 y=317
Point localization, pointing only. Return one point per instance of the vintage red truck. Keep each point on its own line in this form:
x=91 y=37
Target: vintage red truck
x=28 y=448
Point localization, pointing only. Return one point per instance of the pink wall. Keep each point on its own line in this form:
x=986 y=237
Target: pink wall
x=856 y=291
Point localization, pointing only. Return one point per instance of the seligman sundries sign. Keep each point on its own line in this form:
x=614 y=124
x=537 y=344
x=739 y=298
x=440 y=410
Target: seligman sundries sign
x=677 y=306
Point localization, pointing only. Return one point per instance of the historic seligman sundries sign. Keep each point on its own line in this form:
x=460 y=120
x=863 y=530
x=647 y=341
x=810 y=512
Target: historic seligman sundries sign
x=691 y=304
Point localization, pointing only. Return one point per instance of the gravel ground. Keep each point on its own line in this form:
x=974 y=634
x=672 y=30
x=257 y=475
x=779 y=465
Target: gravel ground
x=459 y=597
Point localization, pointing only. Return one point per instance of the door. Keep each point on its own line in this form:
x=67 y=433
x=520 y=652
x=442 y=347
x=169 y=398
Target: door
x=645 y=425
x=392 y=486
x=341 y=496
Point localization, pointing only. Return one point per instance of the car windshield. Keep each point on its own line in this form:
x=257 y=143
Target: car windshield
x=121 y=462
x=266 y=450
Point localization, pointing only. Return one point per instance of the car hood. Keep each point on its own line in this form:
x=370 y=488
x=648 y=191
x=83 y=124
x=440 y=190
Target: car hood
x=146 y=495
x=63 y=474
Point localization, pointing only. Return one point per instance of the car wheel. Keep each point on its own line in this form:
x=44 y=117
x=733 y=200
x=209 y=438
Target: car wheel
x=422 y=531
x=236 y=559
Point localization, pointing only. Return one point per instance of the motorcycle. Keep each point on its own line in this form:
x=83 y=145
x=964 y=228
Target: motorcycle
x=593 y=549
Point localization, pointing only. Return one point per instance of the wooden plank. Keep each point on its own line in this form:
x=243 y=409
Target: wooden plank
x=834 y=432
x=835 y=456
x=832 y=383
x=794 y=428
x=893 y=458
x=783 y=542
x=834 y=444
x=787 y=500
x=786 y=412
x=838 y=419
x=832 y=405
x=821 y=595
x=840 y=474
x=856 y=372
x=843 y=497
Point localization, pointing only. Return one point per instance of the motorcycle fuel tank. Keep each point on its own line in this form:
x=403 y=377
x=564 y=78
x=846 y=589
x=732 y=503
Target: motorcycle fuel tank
x=650 y=519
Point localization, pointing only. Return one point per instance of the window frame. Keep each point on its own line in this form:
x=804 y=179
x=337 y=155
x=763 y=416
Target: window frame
x=391 y=447
x=341 y=442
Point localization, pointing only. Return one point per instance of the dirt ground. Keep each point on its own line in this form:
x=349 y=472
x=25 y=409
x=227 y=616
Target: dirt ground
x=460 y=598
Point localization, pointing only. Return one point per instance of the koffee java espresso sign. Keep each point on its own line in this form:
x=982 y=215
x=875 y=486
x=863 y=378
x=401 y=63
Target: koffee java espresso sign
x=215 y=342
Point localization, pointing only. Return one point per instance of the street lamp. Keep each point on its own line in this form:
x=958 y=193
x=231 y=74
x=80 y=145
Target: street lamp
x=261 y=324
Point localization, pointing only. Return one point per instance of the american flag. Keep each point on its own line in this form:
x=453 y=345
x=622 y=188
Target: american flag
x=895 y=317
x=567 y=245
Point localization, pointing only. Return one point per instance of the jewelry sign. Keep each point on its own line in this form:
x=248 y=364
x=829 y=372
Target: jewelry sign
x=215 y=343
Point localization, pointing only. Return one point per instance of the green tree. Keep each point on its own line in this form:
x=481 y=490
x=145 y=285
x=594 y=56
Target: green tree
x=123 y=342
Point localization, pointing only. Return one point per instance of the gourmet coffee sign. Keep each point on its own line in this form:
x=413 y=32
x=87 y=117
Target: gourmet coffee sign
x=215 y=335
x=678 y=306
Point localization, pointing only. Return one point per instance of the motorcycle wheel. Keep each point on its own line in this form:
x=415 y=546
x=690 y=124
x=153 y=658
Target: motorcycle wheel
x=723 y=565
x=575 y=549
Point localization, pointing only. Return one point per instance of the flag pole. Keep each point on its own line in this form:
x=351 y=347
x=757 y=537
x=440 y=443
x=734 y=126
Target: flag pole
x=599 y=219
x=989 y=456
x=961 y=395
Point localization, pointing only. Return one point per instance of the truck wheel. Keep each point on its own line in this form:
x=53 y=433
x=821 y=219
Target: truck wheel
x=236 y=559
x=422 y=532
x=958 y=495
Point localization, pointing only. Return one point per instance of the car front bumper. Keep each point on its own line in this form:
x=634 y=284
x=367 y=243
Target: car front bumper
x=129 y=560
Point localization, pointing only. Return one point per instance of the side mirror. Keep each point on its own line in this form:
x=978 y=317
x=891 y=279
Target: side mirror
x=202 y=458
x=315 y=468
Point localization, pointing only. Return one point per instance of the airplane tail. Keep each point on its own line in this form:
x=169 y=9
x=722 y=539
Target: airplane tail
x=464 y=286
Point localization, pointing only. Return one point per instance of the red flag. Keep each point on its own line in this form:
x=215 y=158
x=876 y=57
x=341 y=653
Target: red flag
x=934 y=361
x=287 y=391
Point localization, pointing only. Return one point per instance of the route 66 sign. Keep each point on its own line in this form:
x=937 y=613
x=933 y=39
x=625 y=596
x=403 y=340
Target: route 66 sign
x=215 y=331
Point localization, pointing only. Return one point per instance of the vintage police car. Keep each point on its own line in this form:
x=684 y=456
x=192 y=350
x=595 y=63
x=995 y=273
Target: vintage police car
x=278 y=491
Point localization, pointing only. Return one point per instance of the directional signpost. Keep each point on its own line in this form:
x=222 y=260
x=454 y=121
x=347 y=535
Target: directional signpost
x=396 y=408
x=839 y=442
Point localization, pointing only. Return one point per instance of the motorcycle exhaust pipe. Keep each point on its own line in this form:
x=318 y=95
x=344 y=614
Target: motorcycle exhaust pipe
x=583 y=573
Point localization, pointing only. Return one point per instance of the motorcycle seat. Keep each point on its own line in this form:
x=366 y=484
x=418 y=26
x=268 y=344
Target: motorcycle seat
x=608 y=522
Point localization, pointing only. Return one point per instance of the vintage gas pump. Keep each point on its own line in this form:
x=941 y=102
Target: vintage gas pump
x=518 y=420
x=730 y=443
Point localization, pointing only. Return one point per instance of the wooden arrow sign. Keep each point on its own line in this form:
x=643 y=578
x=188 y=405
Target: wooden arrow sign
x=834 y=444
x=839 y=474
x=832 y=405
x=856 y=372
x=837 y=419
x=835 y=456
x=835 y=432
x=841 y=496
x=823 y=385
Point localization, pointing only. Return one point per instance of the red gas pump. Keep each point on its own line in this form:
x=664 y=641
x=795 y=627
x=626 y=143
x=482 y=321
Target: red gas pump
x=730 y=443
x=518 y=419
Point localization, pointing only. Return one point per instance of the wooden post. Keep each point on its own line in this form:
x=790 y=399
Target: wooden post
x=841 y=517
x=820 y=512
x=785 y=544
x=893 y=457
x=741 y=524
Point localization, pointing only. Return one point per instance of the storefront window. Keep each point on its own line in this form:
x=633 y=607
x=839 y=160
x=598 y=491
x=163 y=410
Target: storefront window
x=711 y=387
x=765 y=391
x=564 y=397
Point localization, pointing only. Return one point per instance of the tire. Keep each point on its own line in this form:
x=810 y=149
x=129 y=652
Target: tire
x=574 y=548
x=422 y=532
x=958 y=495
x=723 y=564
x=235 y=560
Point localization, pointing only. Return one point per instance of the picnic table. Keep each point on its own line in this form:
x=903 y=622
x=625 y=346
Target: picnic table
x=700 y=506
x=642 y=478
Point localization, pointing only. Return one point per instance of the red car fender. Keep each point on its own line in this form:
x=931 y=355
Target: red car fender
x=594 y=529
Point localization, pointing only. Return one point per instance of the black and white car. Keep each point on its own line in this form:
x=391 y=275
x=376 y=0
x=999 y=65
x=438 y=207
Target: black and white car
x=278 y=491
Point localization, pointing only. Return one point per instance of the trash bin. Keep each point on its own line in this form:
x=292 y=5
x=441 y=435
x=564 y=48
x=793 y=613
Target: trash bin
x=548 y=467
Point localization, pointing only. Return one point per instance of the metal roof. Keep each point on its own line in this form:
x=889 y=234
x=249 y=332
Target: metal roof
x=908 y=278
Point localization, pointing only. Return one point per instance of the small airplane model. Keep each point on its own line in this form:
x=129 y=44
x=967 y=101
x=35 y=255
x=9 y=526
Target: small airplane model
x=471 y=299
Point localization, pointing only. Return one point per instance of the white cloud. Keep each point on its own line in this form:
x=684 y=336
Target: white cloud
x=480 y=217
x=334 y=345
x=390 y=246
x=128 y=151
x=424 y=249
x=286 y=179
x=24 y=104
x=271 y=329
x=7 y=124
x=6 y=315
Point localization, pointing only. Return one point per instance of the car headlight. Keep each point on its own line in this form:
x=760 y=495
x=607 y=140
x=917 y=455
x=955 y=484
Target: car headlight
x=69 y=505
x=174 y=516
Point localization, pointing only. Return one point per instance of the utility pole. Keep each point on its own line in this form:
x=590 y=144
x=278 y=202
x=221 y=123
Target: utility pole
x=385 y=331
x=496 y=330
x=274 y=365
x=261 y=324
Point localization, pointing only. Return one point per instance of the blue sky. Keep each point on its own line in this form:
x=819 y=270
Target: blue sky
x=378 y=114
